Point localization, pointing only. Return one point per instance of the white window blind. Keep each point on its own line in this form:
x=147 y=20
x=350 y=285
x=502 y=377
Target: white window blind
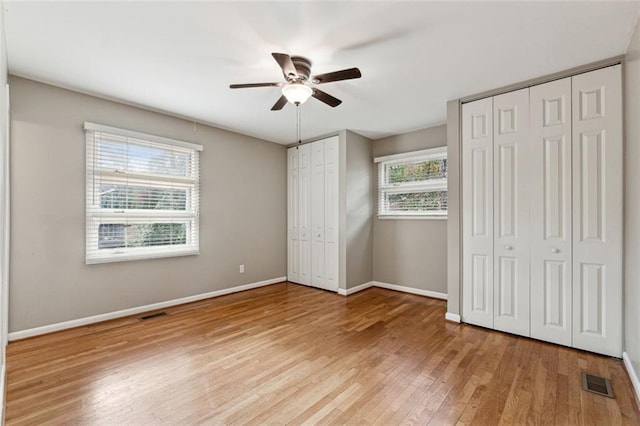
x=143 y=195
x=413 y=184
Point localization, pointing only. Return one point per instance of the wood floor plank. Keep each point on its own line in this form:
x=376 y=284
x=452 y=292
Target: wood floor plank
x=289 y=354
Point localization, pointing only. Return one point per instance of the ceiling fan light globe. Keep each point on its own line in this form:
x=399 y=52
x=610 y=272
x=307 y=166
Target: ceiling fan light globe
x=297 y=93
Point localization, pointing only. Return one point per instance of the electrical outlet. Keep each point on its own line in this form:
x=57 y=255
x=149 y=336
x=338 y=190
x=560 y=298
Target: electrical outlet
x=242 y=269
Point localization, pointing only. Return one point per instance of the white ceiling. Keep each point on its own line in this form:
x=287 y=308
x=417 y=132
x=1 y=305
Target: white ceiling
x=414 y=56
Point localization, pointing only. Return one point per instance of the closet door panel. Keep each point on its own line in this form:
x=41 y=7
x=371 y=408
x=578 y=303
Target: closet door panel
x=511 y=211
x=331 y=213
x=477 y=217
x=597 y=211
x=317 y=214
x=304 y=213
x=550 y=194
x=293 y=243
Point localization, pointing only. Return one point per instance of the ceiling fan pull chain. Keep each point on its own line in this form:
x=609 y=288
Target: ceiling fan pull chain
x=299 y=124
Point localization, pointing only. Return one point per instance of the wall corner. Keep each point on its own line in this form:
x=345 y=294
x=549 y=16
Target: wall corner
x=454 y=223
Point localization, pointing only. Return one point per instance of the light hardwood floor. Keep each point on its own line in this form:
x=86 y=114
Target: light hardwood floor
x=291 y=354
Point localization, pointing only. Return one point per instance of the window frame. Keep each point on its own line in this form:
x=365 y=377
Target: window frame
x=431 y=185
x=95 y=215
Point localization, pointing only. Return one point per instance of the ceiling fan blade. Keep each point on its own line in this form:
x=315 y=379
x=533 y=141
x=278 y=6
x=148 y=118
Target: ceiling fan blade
x=326 y=98
x=286 y=64
x=280 y=103
x=337 y=76
x=245 y=86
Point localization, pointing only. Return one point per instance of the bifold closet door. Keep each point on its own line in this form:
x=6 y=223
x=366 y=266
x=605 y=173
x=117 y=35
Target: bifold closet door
x=597 y=211
x=542 y=211
x=304 y=213
x=511 y=180
x=293 y=224
x=331 y=213
x=550 y=191
x=317 y=214
x=477 y=212
x=313 y=214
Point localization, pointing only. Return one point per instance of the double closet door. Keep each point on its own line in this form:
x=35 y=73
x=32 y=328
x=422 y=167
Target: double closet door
x=312 y=213
x=542 y=212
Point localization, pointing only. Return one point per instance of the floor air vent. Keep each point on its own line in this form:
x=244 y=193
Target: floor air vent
x=597 y=384
x=150 y=316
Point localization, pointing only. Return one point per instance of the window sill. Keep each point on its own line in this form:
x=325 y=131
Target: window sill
x=140 y=256
x=413 y=217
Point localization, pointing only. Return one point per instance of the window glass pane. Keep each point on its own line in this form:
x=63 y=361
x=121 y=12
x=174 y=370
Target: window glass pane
x=121 y=235
x=135 y=158
x=416 y=171
x=123 y=196
x=111 y=235
x=416 y=201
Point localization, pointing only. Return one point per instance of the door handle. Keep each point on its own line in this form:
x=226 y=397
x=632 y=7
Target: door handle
x=555 y=250
x=508 y=247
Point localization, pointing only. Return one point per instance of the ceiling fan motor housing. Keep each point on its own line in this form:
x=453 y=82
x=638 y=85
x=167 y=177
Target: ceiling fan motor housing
x=303 y=66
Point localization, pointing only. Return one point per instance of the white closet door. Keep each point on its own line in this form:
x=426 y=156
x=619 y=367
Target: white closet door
x=597 y=211
x=331 y=213
x=317 y=214
x=304 y=213
x=477 y=213
x=550 y=192
x=293 y=228
x=511 y=180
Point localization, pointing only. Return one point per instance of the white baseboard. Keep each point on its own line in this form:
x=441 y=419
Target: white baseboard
x=428 y=293
x=632 y=375
x=23 y=334
x=348 y=291
x=403 y=289
x=452 y=317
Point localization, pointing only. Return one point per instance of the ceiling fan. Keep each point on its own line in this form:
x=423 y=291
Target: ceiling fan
x=299 y=83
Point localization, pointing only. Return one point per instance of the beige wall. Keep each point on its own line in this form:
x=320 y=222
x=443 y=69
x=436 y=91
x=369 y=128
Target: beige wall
x=406 y=252
x=632 y=202
x=359 y=210
x=4 y=188
x=454 y=222
x=242 y=211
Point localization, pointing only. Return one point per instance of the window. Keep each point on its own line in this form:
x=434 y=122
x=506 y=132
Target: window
x=142 y=195
x=413 y=184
